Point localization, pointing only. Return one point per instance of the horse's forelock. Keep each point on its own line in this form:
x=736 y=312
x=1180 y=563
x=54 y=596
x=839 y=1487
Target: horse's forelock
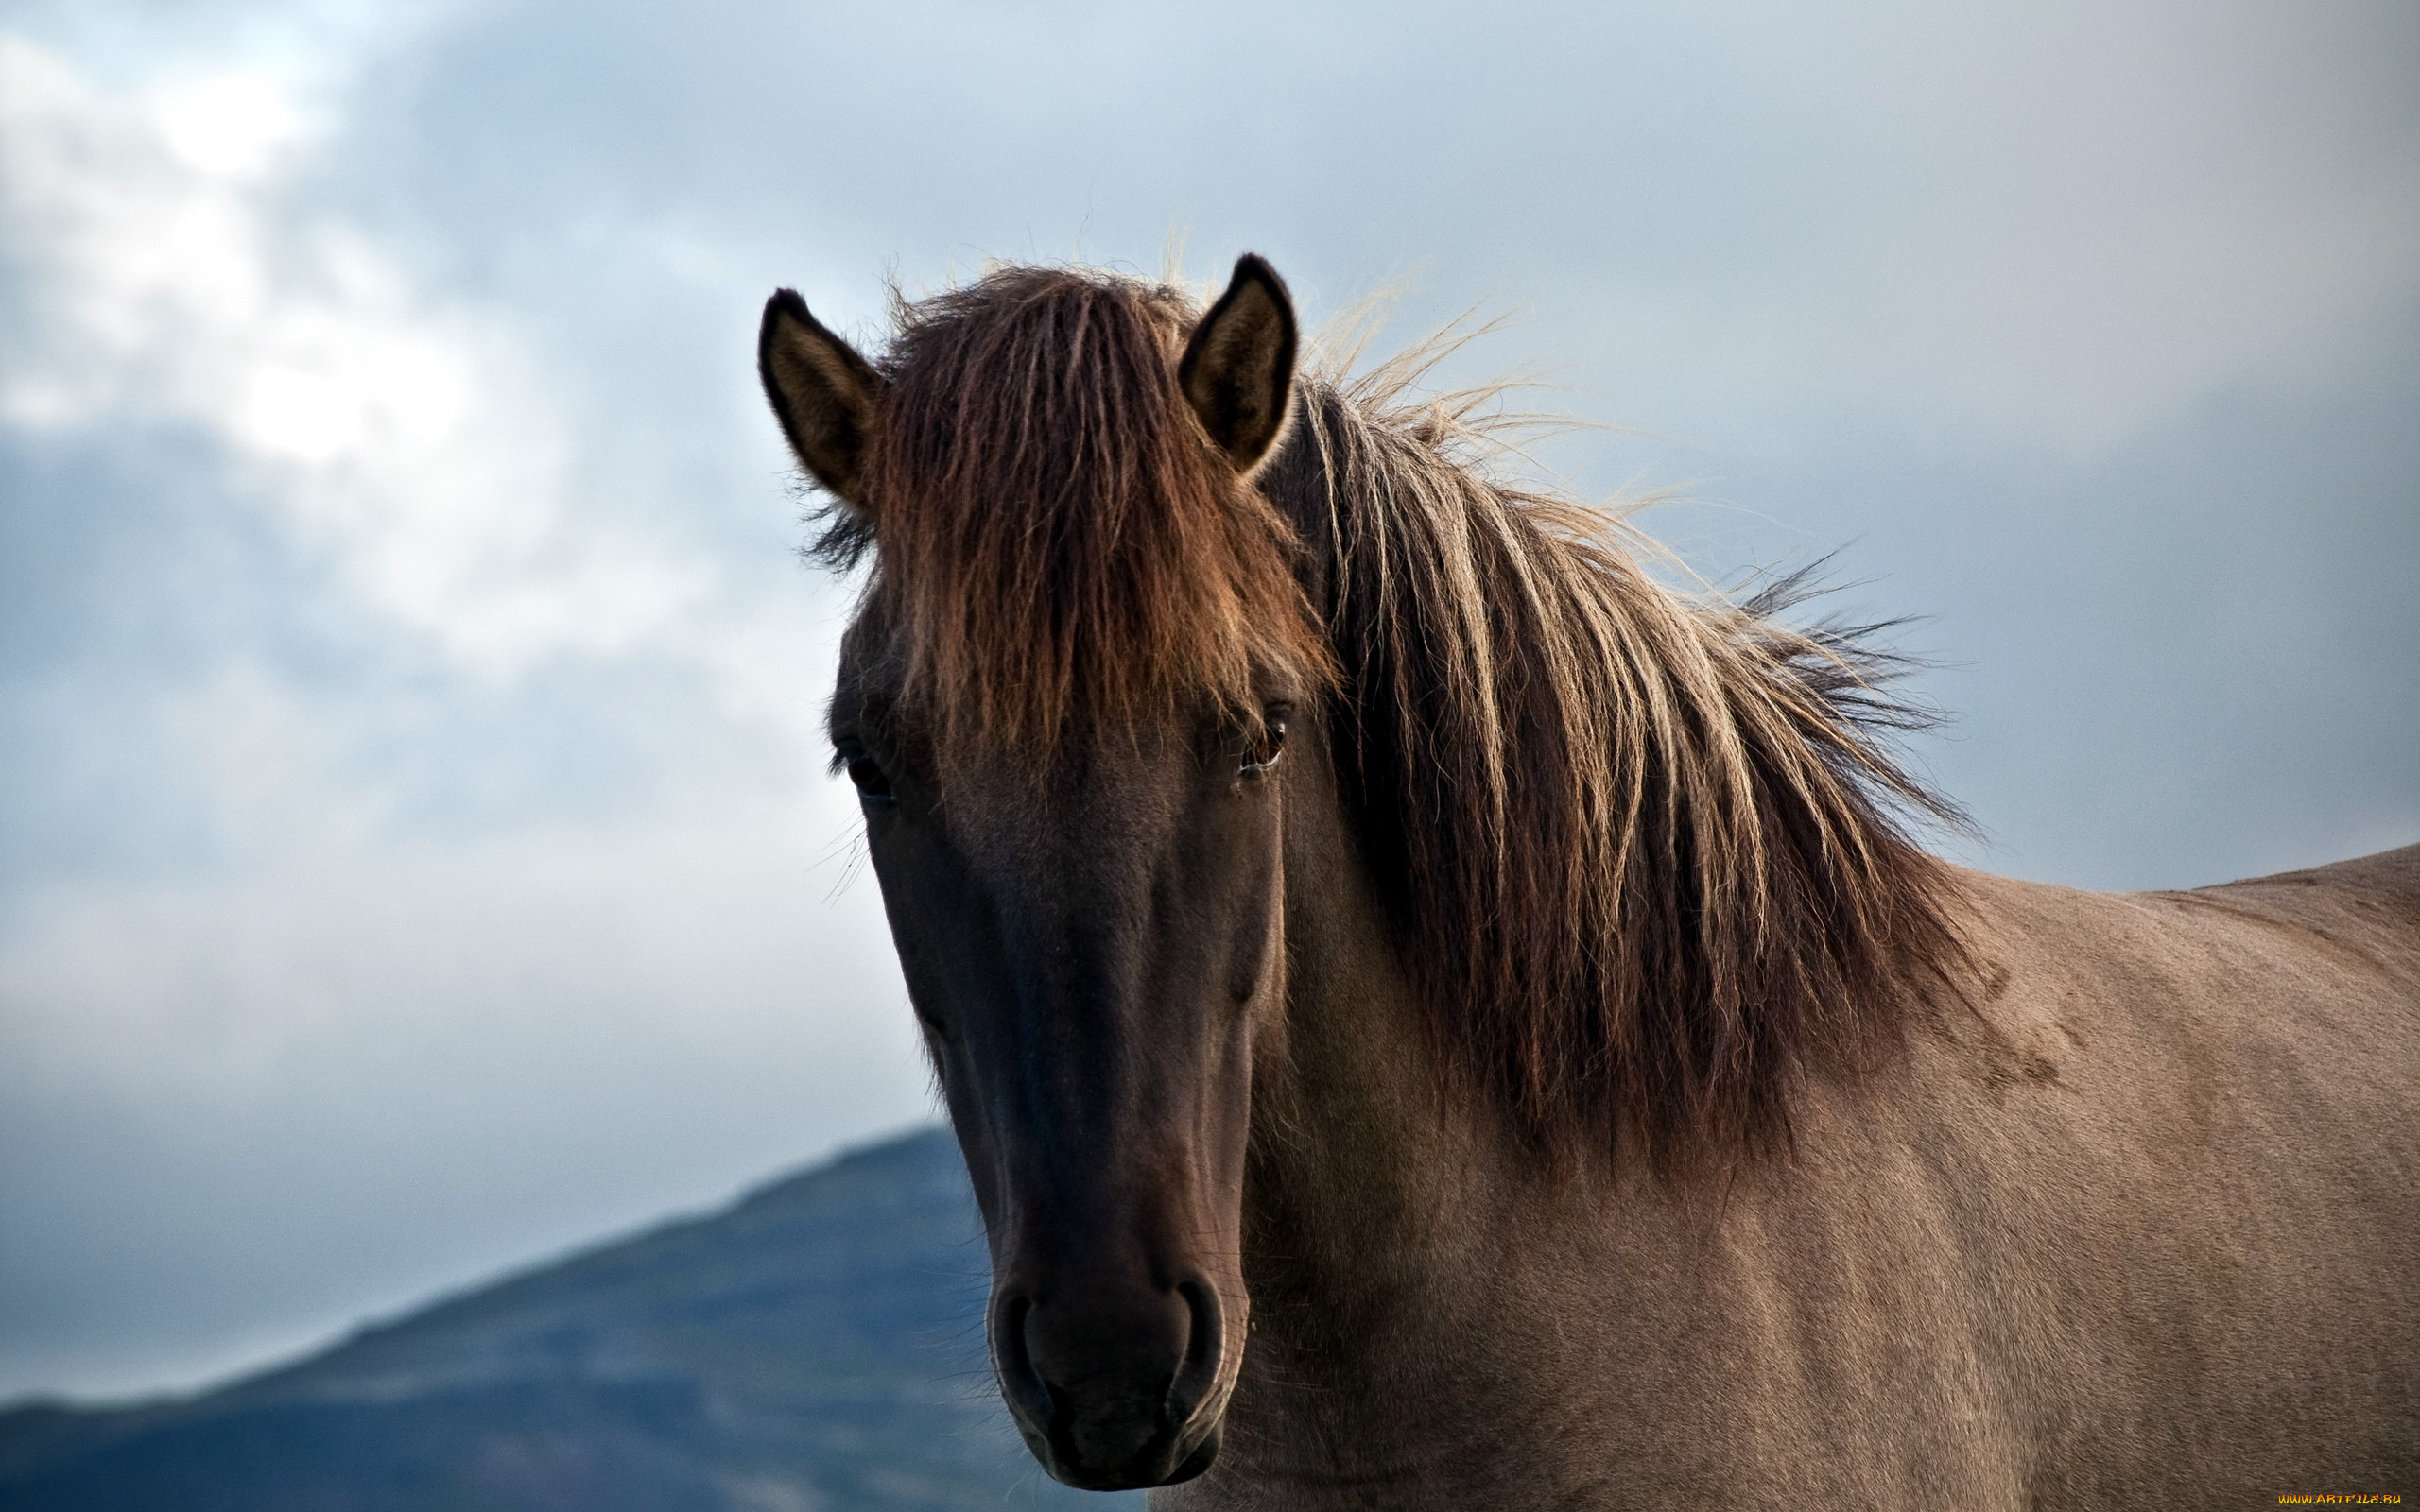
x=1055 y=540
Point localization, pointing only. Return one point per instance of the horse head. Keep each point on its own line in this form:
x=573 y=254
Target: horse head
x=1064 y=704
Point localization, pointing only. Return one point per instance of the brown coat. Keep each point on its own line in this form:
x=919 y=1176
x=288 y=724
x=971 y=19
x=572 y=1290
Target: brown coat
x=2140 y=1230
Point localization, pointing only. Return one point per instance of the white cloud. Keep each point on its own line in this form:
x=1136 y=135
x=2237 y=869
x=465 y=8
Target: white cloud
x=166 y=279
x=232 y=126
x=412 y=1038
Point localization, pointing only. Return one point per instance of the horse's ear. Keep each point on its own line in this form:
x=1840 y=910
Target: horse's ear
x=1237 y=371
x=823 y=393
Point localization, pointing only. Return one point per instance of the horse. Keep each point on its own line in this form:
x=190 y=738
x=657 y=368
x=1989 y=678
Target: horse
x=1437 y=1016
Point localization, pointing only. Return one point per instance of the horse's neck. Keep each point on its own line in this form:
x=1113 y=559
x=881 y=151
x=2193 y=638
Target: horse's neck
x=1383 y=1211
x=1437 y=1322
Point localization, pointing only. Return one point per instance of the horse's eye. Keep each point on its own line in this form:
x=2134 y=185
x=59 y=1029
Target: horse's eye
x=870 y=781
x=874 y=783
x=1263 y=752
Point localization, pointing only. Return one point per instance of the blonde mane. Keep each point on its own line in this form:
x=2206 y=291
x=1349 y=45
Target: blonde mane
x=1644 y=847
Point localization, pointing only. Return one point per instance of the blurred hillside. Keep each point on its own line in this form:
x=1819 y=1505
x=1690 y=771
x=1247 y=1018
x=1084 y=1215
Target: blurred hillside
x=817 y=1345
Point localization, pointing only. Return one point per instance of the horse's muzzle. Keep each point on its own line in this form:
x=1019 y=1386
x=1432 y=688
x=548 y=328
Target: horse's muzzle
x=1115 y=1389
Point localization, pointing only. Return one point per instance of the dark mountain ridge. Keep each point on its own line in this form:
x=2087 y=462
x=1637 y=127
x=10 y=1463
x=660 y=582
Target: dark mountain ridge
x=815 y=1346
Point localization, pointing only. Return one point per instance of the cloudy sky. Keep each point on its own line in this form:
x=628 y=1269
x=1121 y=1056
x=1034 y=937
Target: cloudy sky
x=414 y=852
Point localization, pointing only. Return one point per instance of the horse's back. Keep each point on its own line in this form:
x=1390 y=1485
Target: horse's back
x=2374 y=899
x=2390 y=876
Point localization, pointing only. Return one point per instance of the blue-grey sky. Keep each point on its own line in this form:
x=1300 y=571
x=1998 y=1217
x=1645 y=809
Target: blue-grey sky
x=417 y=853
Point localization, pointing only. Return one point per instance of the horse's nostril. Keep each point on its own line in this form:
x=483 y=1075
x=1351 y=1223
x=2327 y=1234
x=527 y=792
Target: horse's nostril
x=1202 y=1305
x=1203 y=1348
x=1018 y=1375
